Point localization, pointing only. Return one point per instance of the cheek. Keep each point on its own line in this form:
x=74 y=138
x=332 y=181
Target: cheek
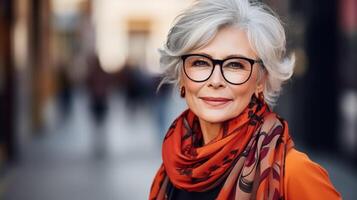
x=192 y=90
x=246 y=90
x=191 y=87
x=242 y=96
x=243 y=91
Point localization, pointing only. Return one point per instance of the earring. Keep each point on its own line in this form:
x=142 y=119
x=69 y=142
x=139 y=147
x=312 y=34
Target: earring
x=183 y=92
x=259 y=95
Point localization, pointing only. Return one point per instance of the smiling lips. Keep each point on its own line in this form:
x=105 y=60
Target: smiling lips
x=216 y=101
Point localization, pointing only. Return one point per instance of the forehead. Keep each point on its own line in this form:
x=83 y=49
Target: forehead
x=228 y=41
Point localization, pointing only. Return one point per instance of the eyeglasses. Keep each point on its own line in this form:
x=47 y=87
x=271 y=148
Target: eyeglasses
x=235 y=70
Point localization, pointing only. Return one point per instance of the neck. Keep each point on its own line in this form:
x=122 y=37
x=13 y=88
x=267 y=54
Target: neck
x=209 y=130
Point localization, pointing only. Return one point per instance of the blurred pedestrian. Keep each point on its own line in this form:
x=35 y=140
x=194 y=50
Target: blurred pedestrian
x=98 y=82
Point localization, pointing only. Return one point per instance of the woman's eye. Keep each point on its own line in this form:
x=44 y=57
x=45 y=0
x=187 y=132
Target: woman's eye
x=199 y=63
x=235 y=65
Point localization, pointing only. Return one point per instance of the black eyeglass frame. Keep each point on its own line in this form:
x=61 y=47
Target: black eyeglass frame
x=220 y=63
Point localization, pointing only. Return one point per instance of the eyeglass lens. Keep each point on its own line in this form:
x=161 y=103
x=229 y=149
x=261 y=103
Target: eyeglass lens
x=234 y=70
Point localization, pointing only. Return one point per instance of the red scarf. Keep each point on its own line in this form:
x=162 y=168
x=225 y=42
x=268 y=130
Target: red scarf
x=248 y=155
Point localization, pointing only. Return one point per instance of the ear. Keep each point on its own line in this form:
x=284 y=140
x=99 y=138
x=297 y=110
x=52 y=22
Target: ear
x=259 y=89
x=260 y=86
x=180 y=82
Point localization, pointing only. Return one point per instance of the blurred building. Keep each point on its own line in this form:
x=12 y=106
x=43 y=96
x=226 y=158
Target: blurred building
x=321 y=100
x=7 y=87
x=133 y=30
x=40 y=38
x=25 y=57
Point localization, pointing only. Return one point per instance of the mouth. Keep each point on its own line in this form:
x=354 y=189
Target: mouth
x=216 y=101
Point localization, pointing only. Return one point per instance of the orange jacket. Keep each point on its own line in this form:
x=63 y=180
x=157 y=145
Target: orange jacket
x=305 y=180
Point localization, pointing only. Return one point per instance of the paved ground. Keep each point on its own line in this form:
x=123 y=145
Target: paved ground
x=76 y=160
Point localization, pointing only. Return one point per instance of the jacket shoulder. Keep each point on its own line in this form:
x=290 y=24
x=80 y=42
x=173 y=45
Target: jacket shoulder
x=305 y=179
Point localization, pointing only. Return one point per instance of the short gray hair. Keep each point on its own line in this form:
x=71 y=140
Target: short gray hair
x=197 y=25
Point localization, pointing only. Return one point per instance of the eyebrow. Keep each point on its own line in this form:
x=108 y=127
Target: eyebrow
x=229 y=56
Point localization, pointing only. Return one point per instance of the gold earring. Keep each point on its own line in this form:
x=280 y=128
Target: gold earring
x=261 y=96
x=257 y=93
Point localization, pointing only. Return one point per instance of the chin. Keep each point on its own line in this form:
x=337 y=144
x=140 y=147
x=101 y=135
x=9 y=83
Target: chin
x=215 y=116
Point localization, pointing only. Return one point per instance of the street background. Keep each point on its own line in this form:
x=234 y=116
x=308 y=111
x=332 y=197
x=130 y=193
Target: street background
x=80 y=117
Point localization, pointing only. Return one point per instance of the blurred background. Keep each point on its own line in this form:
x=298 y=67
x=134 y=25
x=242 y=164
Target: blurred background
x=80 y=117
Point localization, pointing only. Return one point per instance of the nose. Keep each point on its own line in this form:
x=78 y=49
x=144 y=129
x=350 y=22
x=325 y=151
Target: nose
x=216 y=80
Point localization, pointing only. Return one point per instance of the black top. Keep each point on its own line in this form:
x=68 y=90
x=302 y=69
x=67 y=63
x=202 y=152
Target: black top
x=174 y=193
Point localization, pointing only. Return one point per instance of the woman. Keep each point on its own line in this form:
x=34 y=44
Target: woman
x=227 y=57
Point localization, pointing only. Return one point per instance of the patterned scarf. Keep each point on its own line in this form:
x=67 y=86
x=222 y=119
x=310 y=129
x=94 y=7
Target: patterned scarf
x=247 y=155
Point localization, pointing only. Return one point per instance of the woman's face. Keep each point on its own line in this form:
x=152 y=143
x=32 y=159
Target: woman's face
x=216 y=100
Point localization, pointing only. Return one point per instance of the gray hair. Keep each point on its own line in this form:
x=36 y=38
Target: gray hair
x=197 y=25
